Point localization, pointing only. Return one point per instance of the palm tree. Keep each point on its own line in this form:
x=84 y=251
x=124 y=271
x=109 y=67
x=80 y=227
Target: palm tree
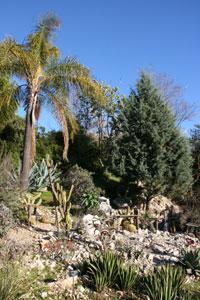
x=8 y=105
x=47 y=79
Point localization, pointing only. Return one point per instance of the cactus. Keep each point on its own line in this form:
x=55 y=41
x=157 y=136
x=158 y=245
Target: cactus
x=64 y=205
x=61 y=199
x=30 y=201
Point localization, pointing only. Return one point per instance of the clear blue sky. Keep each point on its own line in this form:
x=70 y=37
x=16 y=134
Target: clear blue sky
x=118 y=38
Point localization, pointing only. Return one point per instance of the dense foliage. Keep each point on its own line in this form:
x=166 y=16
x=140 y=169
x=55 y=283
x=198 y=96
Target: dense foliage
x=84 y=187
x=147 y=147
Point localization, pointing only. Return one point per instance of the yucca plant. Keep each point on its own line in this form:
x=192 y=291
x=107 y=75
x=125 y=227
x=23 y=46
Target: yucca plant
x=189 y=296
x=191 y=261
x=103 y=270
x=165 y=283
x=127 y=277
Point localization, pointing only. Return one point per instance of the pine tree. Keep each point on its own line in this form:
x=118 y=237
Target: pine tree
x=148 y=149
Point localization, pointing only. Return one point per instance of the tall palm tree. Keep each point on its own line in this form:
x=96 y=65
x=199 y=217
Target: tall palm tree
x=45 y=78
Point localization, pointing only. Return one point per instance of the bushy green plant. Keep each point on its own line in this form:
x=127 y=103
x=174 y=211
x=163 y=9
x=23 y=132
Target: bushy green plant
x=107 y=270
x=11 y=199
x=191 y=261
x=189 y=296
x=82 y=181
x=127 y=277
x=165 y=283
x=191 y=290
x=90 y=200
x=102 y=270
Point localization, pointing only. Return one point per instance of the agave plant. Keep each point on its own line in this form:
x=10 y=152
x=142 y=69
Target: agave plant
x=165 y=283
x=191 y=261
x=39 y=178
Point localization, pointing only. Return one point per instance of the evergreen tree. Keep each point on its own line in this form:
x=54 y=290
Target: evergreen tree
x=148 y=149
x=195 y=145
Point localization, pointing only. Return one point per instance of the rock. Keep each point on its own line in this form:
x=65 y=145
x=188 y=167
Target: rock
x=67 y=283
x=81 y=289
x=44 y=294
x=45 y=215
x=63 y=284
x=90 y=225
x=158 y=248
x=104 y=206
x=159 y=204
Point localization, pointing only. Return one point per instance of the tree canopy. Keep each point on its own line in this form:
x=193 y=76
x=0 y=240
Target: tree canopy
x=148 y=149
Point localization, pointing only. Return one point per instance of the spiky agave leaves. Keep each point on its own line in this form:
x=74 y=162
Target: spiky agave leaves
x=164 y=283
x=127 y=278
x=191 y=261
x=39 y=176
x=102 y=270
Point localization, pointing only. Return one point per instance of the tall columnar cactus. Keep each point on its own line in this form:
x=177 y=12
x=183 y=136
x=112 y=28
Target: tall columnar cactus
x=61 y=199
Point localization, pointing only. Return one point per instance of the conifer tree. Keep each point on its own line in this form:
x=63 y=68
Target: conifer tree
x=148 y=149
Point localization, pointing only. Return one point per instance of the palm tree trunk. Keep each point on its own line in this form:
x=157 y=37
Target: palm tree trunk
x=29 y=136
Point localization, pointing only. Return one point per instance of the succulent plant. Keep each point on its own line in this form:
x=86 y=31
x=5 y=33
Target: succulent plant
x=61 y=198
x=31 y=201
x=191 y=261
x=126 y=278
x=102 y=270
x=39 y=178
x=164 y=283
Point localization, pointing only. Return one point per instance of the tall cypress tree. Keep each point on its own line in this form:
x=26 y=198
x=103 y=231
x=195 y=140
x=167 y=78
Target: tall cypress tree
x=148 y=149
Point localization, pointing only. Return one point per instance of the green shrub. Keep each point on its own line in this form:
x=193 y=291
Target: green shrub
x=11 y=199
x=82 y=181
x=165 y=283
x=90 y=200
x=191 y=261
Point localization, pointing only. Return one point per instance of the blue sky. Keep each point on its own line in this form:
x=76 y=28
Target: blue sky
x=118 y=38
